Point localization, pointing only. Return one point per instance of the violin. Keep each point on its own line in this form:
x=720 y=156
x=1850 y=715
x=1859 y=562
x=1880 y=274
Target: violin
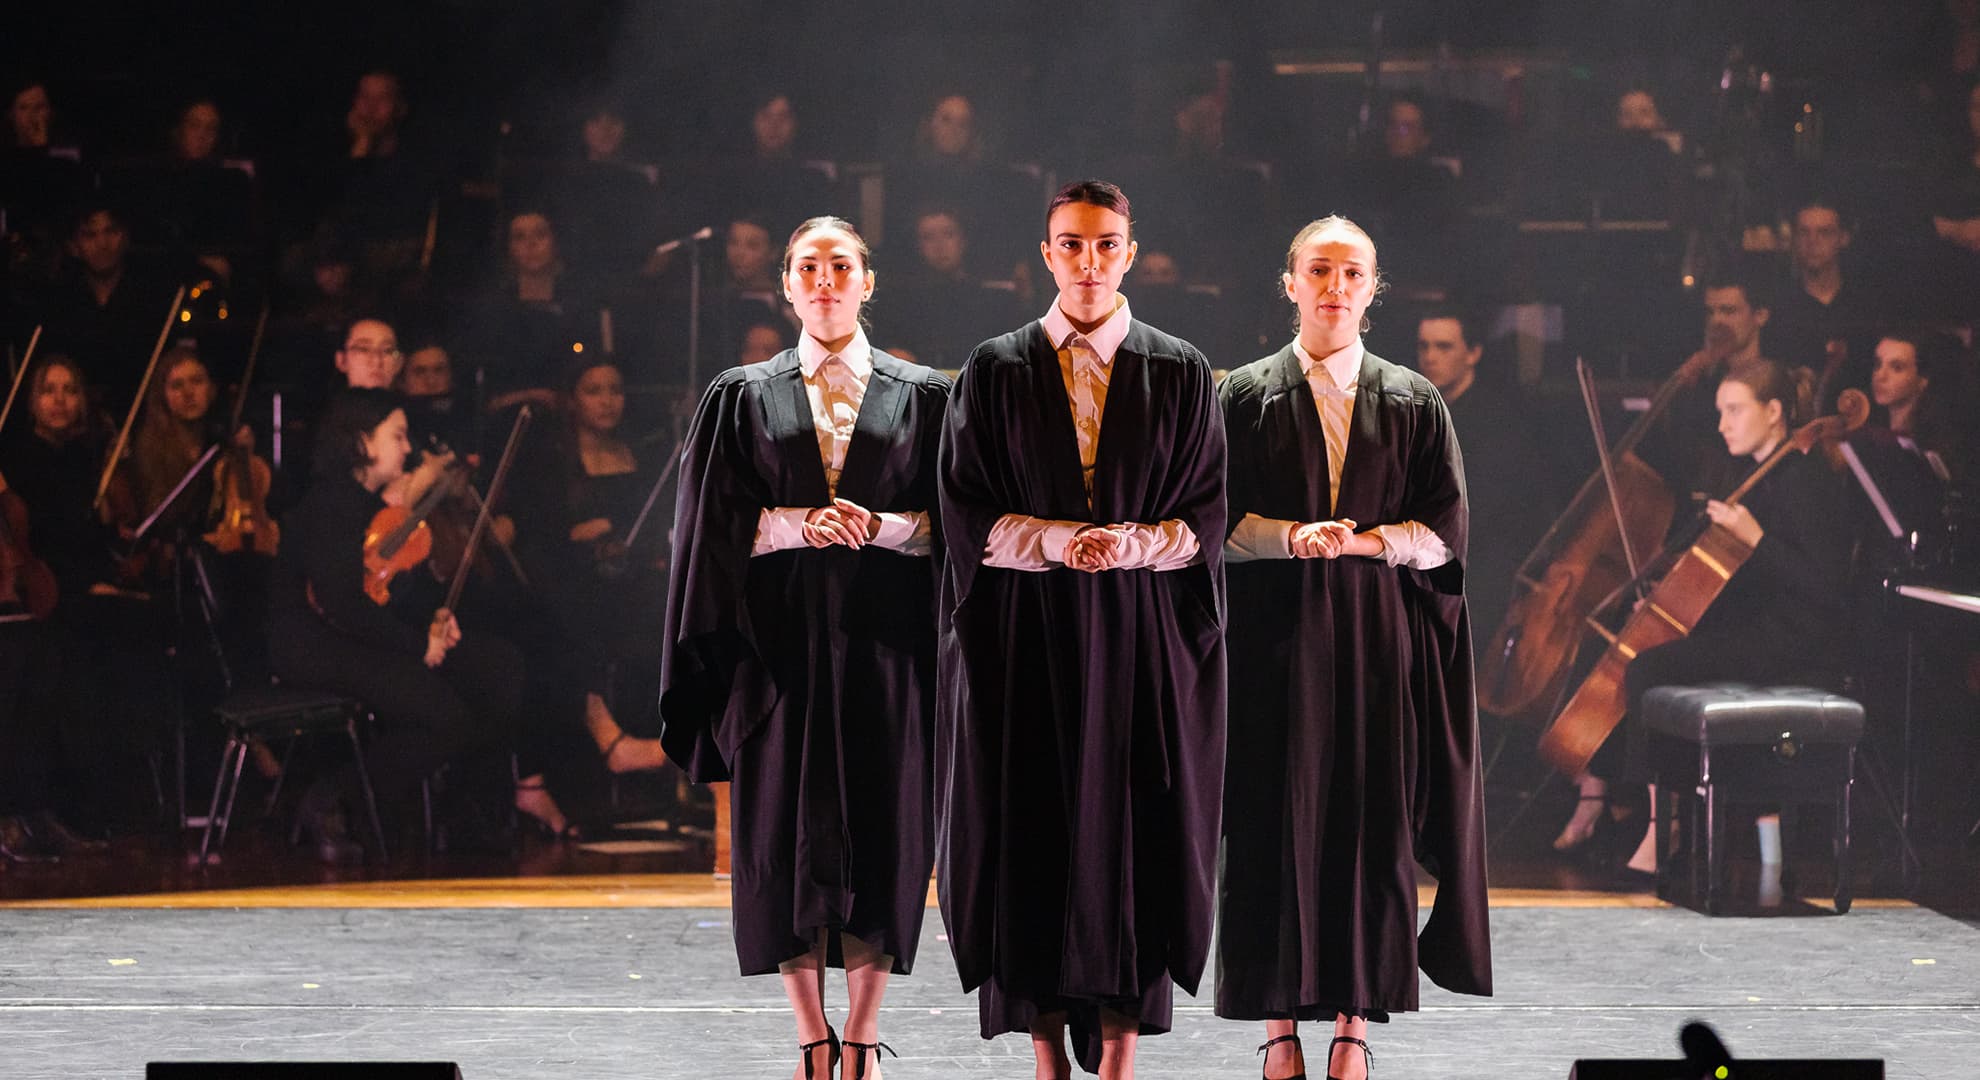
x=398 y=538
x=241 y=480
x=25 y=580
x=1693 y=579
x=452 y=525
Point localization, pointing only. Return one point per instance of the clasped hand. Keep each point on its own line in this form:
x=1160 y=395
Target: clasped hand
x=843 y=522
x=1096 y=548
x=1321 y=539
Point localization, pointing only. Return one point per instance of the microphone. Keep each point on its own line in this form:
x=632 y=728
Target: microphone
x=698 y=235
x=1704 y=1054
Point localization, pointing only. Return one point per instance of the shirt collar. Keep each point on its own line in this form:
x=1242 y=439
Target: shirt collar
x=1106 y=338
x=858 y=355
x=1343 y=365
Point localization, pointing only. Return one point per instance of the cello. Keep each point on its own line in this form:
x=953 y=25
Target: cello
x=1585 y=554
x=1687 y=584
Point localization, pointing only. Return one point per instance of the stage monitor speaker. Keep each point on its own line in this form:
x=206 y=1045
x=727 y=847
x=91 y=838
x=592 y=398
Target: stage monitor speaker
x=302 y=1070
x=1744 y=1069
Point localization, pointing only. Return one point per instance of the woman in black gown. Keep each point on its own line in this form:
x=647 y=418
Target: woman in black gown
x=799 y=656
x=1353 y=728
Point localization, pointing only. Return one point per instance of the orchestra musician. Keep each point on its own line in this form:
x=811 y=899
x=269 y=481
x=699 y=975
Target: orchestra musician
x=1781 y=619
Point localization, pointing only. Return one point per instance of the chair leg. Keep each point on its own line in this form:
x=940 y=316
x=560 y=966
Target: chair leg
x=364 y=786
x=1845 y=890
x=1714 y=849
x=240 y=747
x=213 y=804
x=427 y=836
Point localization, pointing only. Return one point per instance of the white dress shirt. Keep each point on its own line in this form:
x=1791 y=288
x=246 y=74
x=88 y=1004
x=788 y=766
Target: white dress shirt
x=1335 y=381
x=1086 y=362
x=835 y=384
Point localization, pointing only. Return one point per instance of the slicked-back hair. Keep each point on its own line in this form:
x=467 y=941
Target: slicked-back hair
x=1099 y=193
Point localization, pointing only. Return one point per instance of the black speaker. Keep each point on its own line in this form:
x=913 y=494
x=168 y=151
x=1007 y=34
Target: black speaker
x=302 y=1070
x=1744 y=1069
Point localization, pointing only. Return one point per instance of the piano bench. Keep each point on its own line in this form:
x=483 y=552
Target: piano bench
x=1724 y=742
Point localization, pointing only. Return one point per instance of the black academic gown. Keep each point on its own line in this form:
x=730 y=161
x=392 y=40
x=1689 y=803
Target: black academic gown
x=806 y=678
x=1081 y=739
x=1354 y=733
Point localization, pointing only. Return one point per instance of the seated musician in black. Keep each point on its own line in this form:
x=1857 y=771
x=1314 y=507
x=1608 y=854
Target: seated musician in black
x=438 y=694
x=1781 y=618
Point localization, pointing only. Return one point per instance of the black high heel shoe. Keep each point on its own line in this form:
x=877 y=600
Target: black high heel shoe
x=859 y=1062
x=1270 y=1043
x=831 y=1039
x=1369 y=1055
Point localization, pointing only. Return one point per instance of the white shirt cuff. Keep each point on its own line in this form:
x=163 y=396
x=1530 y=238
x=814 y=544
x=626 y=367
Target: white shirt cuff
x=906 y=533
x=1260 y=538
x=1412 y=544
x=780 y=529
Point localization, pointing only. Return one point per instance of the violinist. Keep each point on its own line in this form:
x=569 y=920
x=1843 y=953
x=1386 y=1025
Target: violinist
x=101 y=622
x=370 y=359
x=439 y=694
x=606 y=600
x=1782 y=617
x=176 y=427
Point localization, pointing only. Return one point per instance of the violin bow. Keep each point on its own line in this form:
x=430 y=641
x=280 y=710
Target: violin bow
x=27 y=361
x=247 y=373
x=454 y=587
x=144 y=385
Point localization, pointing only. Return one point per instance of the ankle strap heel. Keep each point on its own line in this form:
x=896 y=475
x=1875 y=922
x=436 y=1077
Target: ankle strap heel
x=1367 y=1054
x=860 y=1050
x=1270 y=1043
x=831 y=1039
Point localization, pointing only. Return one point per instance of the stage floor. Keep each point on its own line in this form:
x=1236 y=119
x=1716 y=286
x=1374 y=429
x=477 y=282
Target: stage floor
x=612 y=976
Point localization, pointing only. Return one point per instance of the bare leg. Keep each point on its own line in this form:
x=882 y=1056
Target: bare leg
x=1117 y=1038
x=1347 y=1060
x=804 y=985
x=867 y=969
x=623 y=753
x=1284 y=1059
x=1645 y=857
x=1048 y=1047
x=1587 y=810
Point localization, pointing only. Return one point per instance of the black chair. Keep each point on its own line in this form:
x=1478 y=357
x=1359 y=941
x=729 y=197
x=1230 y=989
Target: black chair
x=1719 y=743
x=279 y=712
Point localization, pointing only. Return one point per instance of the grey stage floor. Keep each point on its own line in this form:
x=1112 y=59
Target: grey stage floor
x=575 y=995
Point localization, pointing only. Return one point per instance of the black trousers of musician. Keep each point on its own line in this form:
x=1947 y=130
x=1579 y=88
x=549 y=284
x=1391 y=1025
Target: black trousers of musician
x=464 y=711
x=31 y=721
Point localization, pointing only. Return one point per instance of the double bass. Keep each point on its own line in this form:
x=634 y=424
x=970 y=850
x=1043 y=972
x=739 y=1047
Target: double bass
x=1686 y=584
